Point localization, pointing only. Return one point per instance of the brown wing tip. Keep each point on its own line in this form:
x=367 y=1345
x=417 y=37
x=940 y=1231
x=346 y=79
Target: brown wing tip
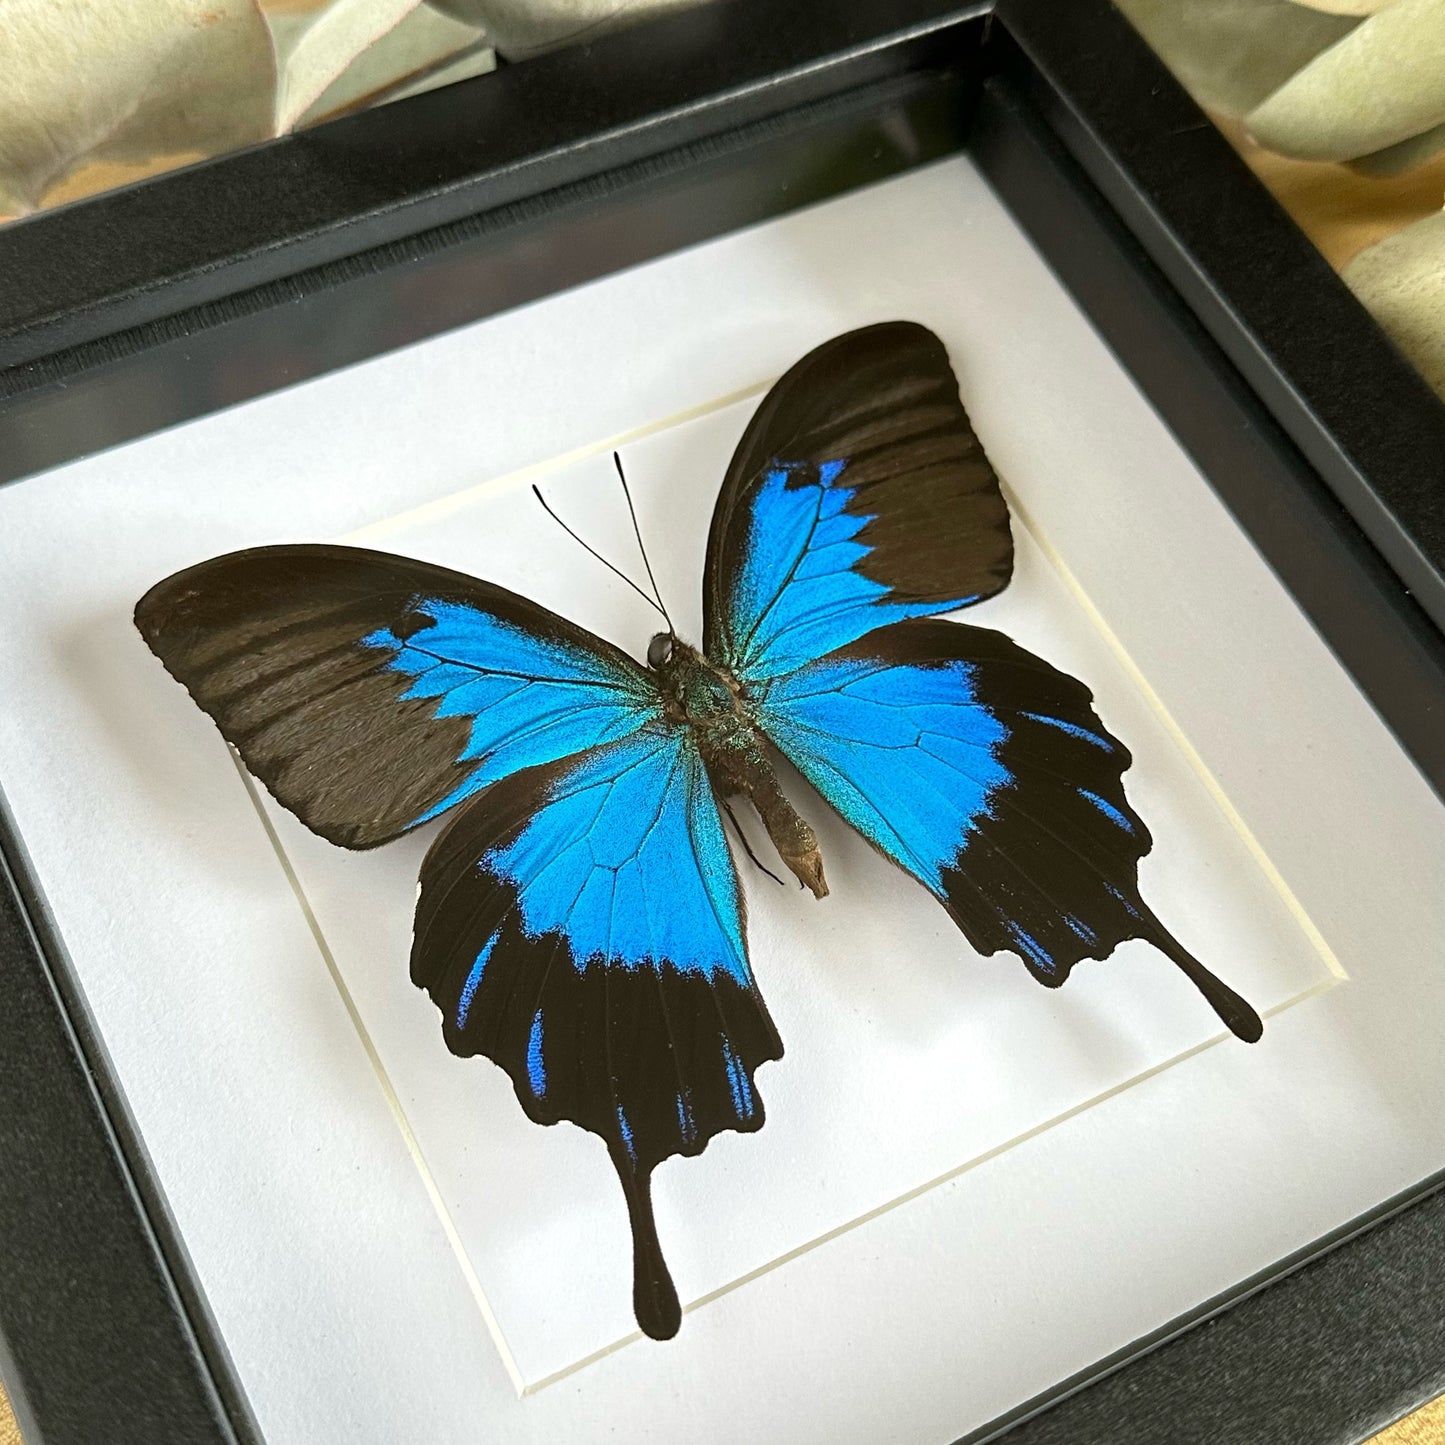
x=1234 y=1012
x=654 y=1296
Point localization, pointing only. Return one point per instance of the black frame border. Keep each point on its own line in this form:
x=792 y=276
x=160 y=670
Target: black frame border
x=1120 y=181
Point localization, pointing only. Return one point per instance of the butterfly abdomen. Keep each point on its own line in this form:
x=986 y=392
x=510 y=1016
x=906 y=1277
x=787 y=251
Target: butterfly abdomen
x=707 y=700
x=791 y=835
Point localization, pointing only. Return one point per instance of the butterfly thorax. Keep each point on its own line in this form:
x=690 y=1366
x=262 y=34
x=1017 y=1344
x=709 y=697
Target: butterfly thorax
x=706 y=698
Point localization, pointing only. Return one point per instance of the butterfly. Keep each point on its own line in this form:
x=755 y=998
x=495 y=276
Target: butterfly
x=580 y=920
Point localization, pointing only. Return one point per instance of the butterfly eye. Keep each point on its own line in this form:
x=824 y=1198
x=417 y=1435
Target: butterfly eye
x=659 y=650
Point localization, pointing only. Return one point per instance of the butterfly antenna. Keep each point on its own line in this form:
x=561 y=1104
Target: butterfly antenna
x=637 y=532
x=616 y=571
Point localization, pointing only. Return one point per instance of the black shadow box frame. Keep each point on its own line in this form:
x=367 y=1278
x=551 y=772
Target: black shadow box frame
x=196 y=290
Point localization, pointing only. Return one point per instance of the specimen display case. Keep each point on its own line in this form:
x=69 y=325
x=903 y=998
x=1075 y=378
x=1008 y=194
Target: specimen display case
x=246 y=1192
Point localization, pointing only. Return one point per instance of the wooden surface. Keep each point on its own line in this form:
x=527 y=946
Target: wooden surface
x=1425 y=1427
x=9 y=1430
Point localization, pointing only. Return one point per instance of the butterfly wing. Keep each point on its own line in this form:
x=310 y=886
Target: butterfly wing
x=827 y=525
x=858 y=503
x=581 y=925
x=580 y=922
x=370 y=692
x=985 y=773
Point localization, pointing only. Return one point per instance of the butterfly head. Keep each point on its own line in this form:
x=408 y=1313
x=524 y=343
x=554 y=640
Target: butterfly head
x=660 y=650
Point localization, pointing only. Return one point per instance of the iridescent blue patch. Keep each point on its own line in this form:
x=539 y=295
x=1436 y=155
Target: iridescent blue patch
x=627 y=859
x=905 y=753
x=798 y=594
x=536 y=1069
x=531 y=699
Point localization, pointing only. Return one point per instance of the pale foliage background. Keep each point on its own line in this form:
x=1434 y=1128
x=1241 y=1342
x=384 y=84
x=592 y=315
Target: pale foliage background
x=1339 y=105
x=95 y=93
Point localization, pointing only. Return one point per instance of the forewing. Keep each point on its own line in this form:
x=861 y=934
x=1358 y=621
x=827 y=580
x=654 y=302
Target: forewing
x=582 y=926
x=371 y=692
x=985 y=773
x=858 y=496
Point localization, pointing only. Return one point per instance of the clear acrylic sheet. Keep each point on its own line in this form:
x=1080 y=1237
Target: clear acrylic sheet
x=326 y=1262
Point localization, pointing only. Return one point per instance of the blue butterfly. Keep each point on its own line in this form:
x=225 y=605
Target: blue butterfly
x=580 y=920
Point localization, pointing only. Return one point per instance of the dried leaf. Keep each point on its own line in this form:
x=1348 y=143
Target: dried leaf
x=1397 y=159
x=1230 y=54
x=1340 y=211
x=519 y=28
x=1346 y=7
x=480 y=60
x=101 y=80
x=1402 y=282
x=318 y=49
x=1380 y=85
x=425 y=50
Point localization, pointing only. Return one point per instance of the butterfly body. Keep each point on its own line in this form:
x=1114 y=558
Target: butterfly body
x=709 y=701
x=580 y=920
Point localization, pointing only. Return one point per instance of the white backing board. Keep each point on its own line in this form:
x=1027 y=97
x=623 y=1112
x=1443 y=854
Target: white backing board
x=908 y=1057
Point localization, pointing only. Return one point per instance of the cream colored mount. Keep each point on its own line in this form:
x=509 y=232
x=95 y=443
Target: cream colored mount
x=432 y=511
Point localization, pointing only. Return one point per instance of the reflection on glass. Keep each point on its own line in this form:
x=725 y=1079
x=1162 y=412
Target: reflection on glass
x=1339 y=107
x=98 y=94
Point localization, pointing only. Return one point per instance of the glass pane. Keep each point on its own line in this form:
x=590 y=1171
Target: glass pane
x=1339 y=108
x=97 y=95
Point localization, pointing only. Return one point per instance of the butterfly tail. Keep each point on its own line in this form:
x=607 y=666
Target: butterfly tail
x=654 y=1296
x=1235 y=1014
